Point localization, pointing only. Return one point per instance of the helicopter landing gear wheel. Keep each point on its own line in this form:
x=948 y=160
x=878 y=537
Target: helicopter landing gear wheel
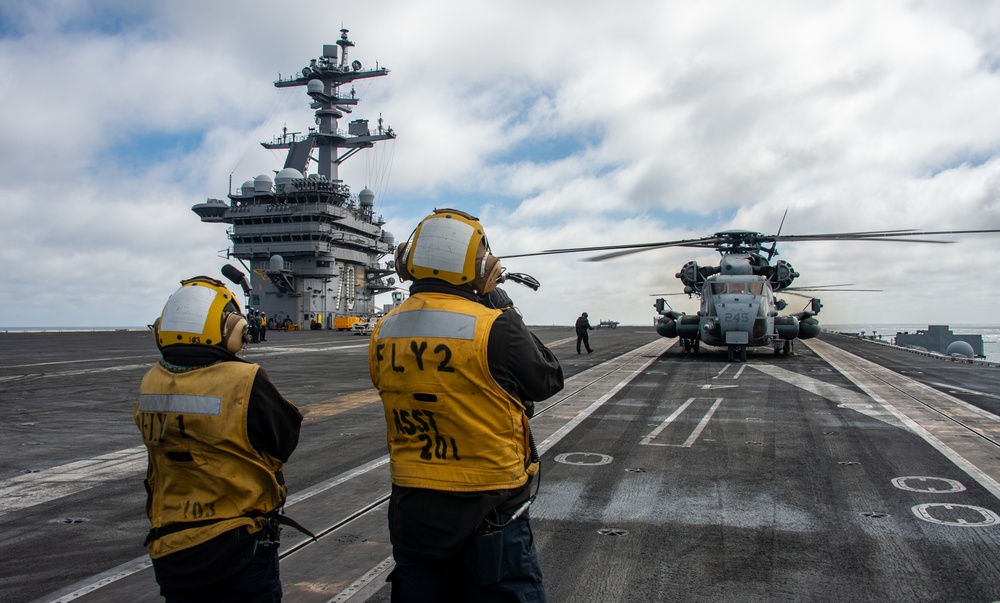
x=743 y=353
x=730 y=352
x=788 y=348
x=697 y=344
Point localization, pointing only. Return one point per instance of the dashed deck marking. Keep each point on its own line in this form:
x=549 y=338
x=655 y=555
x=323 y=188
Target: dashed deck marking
x=648 y=440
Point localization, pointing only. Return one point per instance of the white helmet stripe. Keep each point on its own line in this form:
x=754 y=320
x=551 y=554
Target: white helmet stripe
x=442 y=245
x=187 y=310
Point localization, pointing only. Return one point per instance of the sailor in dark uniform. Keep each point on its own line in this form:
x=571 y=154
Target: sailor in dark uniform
x=458 y=373
x=218 y=434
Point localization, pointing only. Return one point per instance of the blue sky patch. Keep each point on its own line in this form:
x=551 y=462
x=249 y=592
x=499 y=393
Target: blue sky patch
x=152 y=148
x=22 y=19
x=969 y=158
x=544 y=150
x=109 y=20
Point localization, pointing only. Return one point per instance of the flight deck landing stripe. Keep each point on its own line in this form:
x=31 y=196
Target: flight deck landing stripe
x=827 y=352
x=560 y=433
x=36 y=488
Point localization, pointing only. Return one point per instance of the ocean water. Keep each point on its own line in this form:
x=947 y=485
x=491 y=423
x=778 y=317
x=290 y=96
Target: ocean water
x=990 y=333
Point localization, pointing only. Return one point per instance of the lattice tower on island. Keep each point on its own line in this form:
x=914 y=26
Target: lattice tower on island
x=313 y=249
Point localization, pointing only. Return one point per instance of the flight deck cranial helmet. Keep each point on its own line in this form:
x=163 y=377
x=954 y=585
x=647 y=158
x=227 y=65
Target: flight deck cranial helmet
x=449 y=245
x=202 y=312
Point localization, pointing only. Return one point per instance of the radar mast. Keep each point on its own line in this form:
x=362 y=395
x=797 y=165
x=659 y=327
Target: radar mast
x=312 y=247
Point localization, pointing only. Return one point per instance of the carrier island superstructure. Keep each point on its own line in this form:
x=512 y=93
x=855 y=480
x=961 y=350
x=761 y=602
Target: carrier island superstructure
x=313 y=249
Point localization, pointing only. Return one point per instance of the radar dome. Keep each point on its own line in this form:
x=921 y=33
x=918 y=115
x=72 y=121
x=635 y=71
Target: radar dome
x=276 y=263
x=366 y=197
x=247 y=188
x=314 y=86
x=960 y=348
x=288 y=174
x=262 y=184
x=388 y=238
x=285 y=177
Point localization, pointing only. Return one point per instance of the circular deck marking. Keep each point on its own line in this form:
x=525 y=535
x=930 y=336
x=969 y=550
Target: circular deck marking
x=962 y=516
x=932 y=485
x=601 y=459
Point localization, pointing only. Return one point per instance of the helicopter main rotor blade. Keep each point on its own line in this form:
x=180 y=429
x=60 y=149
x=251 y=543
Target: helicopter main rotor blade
x=708 y=242
x=795 y=291
x=822 y=288
x=733 y=240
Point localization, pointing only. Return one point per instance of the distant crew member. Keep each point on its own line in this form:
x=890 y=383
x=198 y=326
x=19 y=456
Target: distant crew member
x=252 y=327
x=459 y=372
x=582 y=336
x=217 y=434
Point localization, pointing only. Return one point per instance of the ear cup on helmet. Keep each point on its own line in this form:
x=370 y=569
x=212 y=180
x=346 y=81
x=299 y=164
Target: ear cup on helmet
x=488 y=270
x=234 y=332
x=156 y=332
x=400 y=258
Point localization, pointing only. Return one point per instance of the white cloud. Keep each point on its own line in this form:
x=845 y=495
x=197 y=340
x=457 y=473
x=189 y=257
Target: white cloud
x=562 y=124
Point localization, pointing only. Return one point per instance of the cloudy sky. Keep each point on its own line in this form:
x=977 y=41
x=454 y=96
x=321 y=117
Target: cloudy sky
x=561 y=123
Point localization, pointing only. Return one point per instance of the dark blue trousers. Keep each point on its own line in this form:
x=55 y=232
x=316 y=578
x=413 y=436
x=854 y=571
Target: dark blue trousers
x=501 y=567
x=258 y=582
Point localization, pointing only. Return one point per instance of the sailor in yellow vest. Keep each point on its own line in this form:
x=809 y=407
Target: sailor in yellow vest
x=217 y=433
x=458 y=372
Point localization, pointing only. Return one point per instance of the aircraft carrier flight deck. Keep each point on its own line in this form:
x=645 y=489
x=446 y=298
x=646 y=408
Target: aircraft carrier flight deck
x=849 y=471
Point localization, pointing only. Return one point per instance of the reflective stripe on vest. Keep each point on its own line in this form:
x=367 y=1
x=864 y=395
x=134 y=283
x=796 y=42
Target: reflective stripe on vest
x=180 y=403
x=429 y=323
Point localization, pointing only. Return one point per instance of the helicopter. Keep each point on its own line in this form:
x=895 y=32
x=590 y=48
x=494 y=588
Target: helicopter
x=738 y=307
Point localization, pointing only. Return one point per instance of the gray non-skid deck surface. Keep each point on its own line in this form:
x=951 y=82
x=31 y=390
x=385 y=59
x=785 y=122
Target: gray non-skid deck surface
x=666 y=477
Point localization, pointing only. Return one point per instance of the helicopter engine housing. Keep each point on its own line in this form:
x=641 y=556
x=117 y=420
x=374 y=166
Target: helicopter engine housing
x=689 y=276
x=783 y=275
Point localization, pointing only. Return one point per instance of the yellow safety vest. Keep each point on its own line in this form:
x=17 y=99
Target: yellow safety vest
x=450 y=425
x=202 y=468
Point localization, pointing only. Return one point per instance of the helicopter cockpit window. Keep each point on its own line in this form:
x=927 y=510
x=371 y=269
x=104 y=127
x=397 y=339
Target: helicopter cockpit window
x=756 y=288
